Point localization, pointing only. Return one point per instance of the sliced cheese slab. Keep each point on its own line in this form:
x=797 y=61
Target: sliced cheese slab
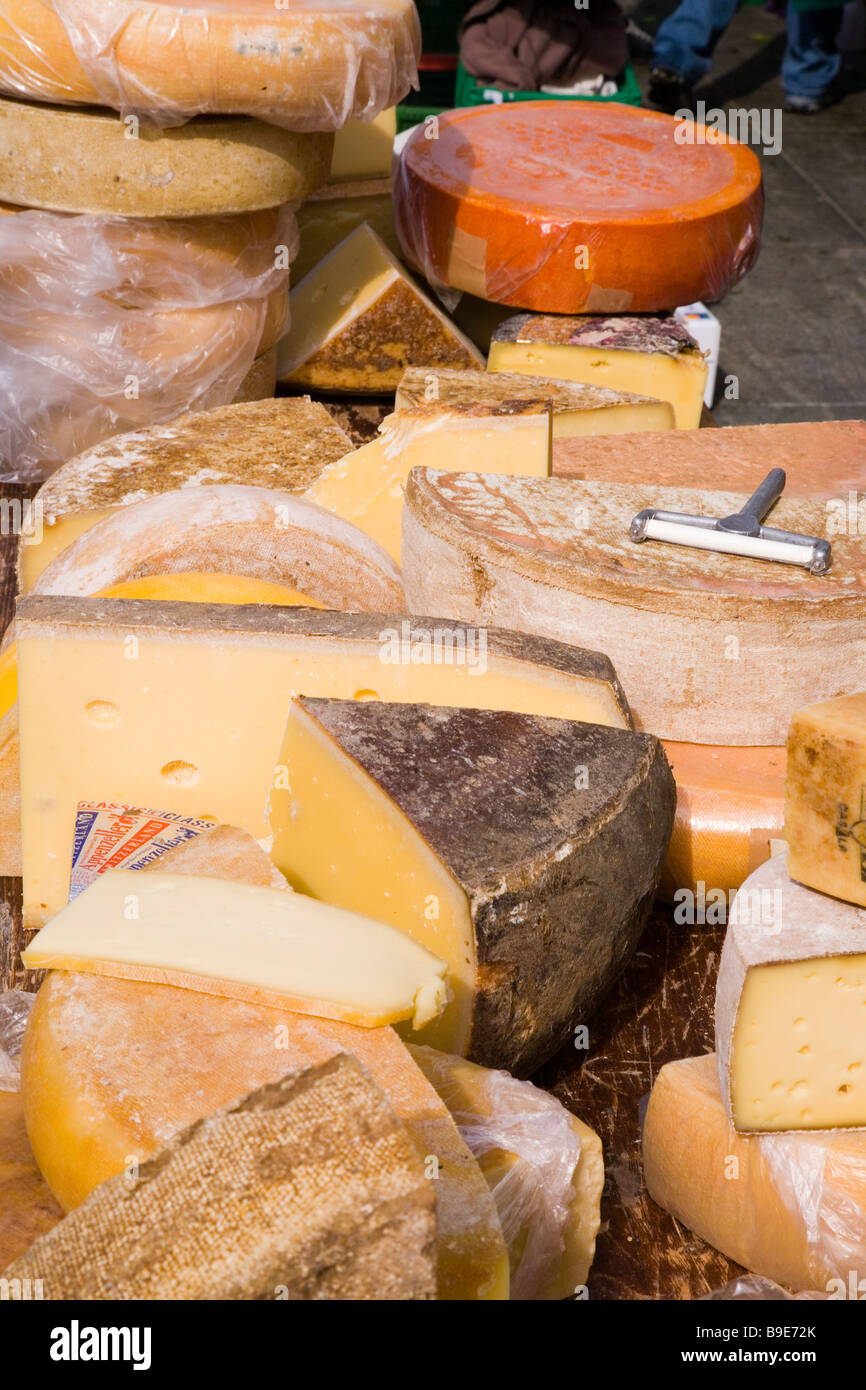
x=183 y=706
x=358 y=321
x=546 y=205
x=335 y=210
x=730 y=806
x=745 y=642
x=364 y=149
x=367 y=486
x=310 y=66
x=825 y=802
x=92 y=161
x=791 y=1007
x=272 y=444
x=655 y=356
x=243 y=942
x=495 y=840
x=790 y=1207
x=822 y=459
x=253 y=1203
x=577 y=410
x=544 y=1166
x=229 y=528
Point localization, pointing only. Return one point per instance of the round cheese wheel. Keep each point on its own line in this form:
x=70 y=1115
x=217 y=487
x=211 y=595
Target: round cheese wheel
x=92 y=161
x=306 y=65
x=573 y=207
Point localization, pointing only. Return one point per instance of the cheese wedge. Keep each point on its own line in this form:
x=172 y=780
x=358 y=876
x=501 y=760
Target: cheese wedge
x=241 y=942
x=790 y=1008
x=183 y=706
x=825 y=802
x=358 y=321
x=367 y=486
x=577 y=410
x=335 y=210
x=746 y=642
x=86 y=161
x=654 y=356
x=228 y=528
x=495 y=840
x=273 y=444
x=254 y=1203
x=790 y=1207
x=543 y=1165
x=364 y=149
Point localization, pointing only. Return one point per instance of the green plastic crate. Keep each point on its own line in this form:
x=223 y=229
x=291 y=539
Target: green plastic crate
x=470 y=92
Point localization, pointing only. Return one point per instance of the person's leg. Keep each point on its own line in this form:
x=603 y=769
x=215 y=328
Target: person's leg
x=811 y=64
x=686 y=40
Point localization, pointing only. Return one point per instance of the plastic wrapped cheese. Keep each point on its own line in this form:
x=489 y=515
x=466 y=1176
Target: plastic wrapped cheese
x=302 y=64
x=107 y=325
x=15 y=1006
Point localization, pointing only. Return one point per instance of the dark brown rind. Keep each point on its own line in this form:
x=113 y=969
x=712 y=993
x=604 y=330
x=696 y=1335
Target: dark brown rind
x=559 y=877
x=633 y=333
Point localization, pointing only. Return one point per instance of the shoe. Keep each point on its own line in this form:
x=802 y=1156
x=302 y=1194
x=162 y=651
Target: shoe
x=810 y=106
x=668 y=92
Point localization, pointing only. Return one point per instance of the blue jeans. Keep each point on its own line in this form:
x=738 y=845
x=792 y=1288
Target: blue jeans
x=686 y=40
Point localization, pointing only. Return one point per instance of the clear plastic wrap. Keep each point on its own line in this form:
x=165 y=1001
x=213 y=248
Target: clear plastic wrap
x=15 y=1006
x=302 y=64
x=821 y=1178
x=108 y=325
x=576 y=207
x=753 y=1288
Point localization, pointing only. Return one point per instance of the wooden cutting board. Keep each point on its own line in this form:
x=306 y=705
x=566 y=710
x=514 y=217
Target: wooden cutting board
x=27 y=1209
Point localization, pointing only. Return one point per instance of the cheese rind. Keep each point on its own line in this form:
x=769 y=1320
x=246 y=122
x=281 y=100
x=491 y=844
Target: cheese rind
x=746 y=641
x=496 y=840
x=825 y=801
x=183 y=706
x=790 y=1005
x=88 y=162
x=654 y=356
x=577 y=410
x=251 y=1203
x=272 y=444
x=260 y=382
x=358 y=321
x=789 y=1207
x=366 y=488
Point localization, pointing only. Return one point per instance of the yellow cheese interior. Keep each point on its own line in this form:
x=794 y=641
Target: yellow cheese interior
x=367 y=486
x=338 y=836
x=825 y=797
x=194 y=724
x=35 y=557
x=244 y=941
x=798 y=1059
x=679 y=380
x=363 y=149
x=325 y=222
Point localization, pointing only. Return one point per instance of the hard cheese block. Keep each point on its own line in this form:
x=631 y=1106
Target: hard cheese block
x=544 y=1166
x=822 y=459
x=307 y=67
x=654 y=356
x=790 y=1207
x=524 y=851
x=366 y=487
x=337 y=209
x=364 y=149
x=791 y=1007
x=825 y=803
x=578 y=410
x=730 y=806
x=358 y=321
x=182 y=707
x=27 y=1209
x=273 y=444
x=258 y=532
x=745 y=641
x=243 y=942
x=253 y=1203
x=89 y=161
x=547 y=206
x=260 y=382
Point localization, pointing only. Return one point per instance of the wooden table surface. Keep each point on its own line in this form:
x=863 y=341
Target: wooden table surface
x=661 y=1009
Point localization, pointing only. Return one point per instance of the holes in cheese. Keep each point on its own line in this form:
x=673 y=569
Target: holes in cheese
x=496 y=840
x=653 y=356
x=366 y=487
x=825 y=797
x=791 y=1007
x=243 y=942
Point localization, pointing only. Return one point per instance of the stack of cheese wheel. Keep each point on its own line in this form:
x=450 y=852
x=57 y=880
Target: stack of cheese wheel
x=153 y=163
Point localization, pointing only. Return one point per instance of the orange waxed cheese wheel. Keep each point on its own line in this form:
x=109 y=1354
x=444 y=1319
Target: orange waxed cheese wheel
x=573 y=207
